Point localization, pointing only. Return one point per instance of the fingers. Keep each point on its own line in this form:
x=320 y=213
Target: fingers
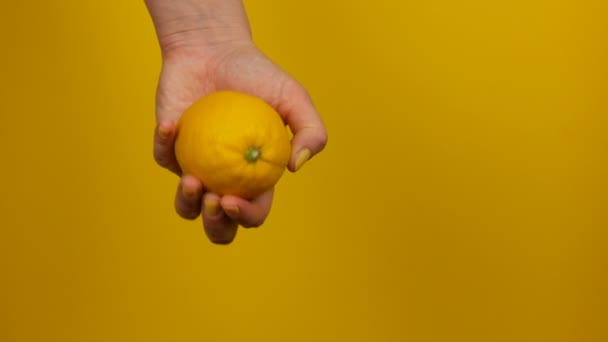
x=248 y=214
x=188 y=197
x=164 y=144
x=222 y=216
x=219 y=227
x=310 y=135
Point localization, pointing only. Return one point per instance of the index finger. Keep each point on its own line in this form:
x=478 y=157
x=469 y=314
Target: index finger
x=310 y=135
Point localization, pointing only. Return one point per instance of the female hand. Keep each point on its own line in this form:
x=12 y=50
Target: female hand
x=206 y=47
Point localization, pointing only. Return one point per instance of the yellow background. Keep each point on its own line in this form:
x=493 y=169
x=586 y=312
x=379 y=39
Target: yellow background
x=462 y=195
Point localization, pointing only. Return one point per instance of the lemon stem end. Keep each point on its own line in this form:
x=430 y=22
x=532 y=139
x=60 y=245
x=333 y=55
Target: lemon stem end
x=252 y=154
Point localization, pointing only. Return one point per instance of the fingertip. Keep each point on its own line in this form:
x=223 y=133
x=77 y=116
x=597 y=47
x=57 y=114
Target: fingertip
x=190 y=180
x=306 y=144
x=221 y=235
x=300 y=158
x=231 y=205
x=165 y=129
x=164 y=139
x=219 y=228
x=211 y=205
x=248 y=214
x=230 y=200
x=222 y=241
x=232 y=211
x=191 y=186
x=188 y=197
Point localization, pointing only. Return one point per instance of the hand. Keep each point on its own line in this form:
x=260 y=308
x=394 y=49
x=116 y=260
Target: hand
x=190 y=71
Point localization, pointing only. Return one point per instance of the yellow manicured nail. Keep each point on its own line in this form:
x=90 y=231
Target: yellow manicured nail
x=232 y=211
x=212 y=207
x=302 y=158
x=188 y=193
x=164 y=131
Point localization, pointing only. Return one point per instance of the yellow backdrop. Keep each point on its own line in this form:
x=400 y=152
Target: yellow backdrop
x=462 y=195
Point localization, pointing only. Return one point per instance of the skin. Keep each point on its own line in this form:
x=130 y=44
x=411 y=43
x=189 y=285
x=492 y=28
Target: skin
x=207 y=46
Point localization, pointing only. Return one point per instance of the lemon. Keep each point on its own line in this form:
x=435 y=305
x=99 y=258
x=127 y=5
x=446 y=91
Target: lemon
x=234 y=143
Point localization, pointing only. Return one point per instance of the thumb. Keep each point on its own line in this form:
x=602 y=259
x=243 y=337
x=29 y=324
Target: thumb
x=309 y=133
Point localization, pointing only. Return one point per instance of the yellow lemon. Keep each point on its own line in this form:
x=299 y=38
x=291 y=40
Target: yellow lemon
x=235 y=143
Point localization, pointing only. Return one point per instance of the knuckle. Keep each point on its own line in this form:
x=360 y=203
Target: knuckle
x=292 y=92
x=298 y=92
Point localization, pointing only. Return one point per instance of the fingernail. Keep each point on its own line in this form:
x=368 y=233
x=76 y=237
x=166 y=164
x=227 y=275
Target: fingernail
x=232 y=210
x=164 y=130
x=302 y=158
x=212 y=207
x=188 y=192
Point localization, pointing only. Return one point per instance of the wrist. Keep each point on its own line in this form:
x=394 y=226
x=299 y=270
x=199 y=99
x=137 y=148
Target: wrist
x=198 y=26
